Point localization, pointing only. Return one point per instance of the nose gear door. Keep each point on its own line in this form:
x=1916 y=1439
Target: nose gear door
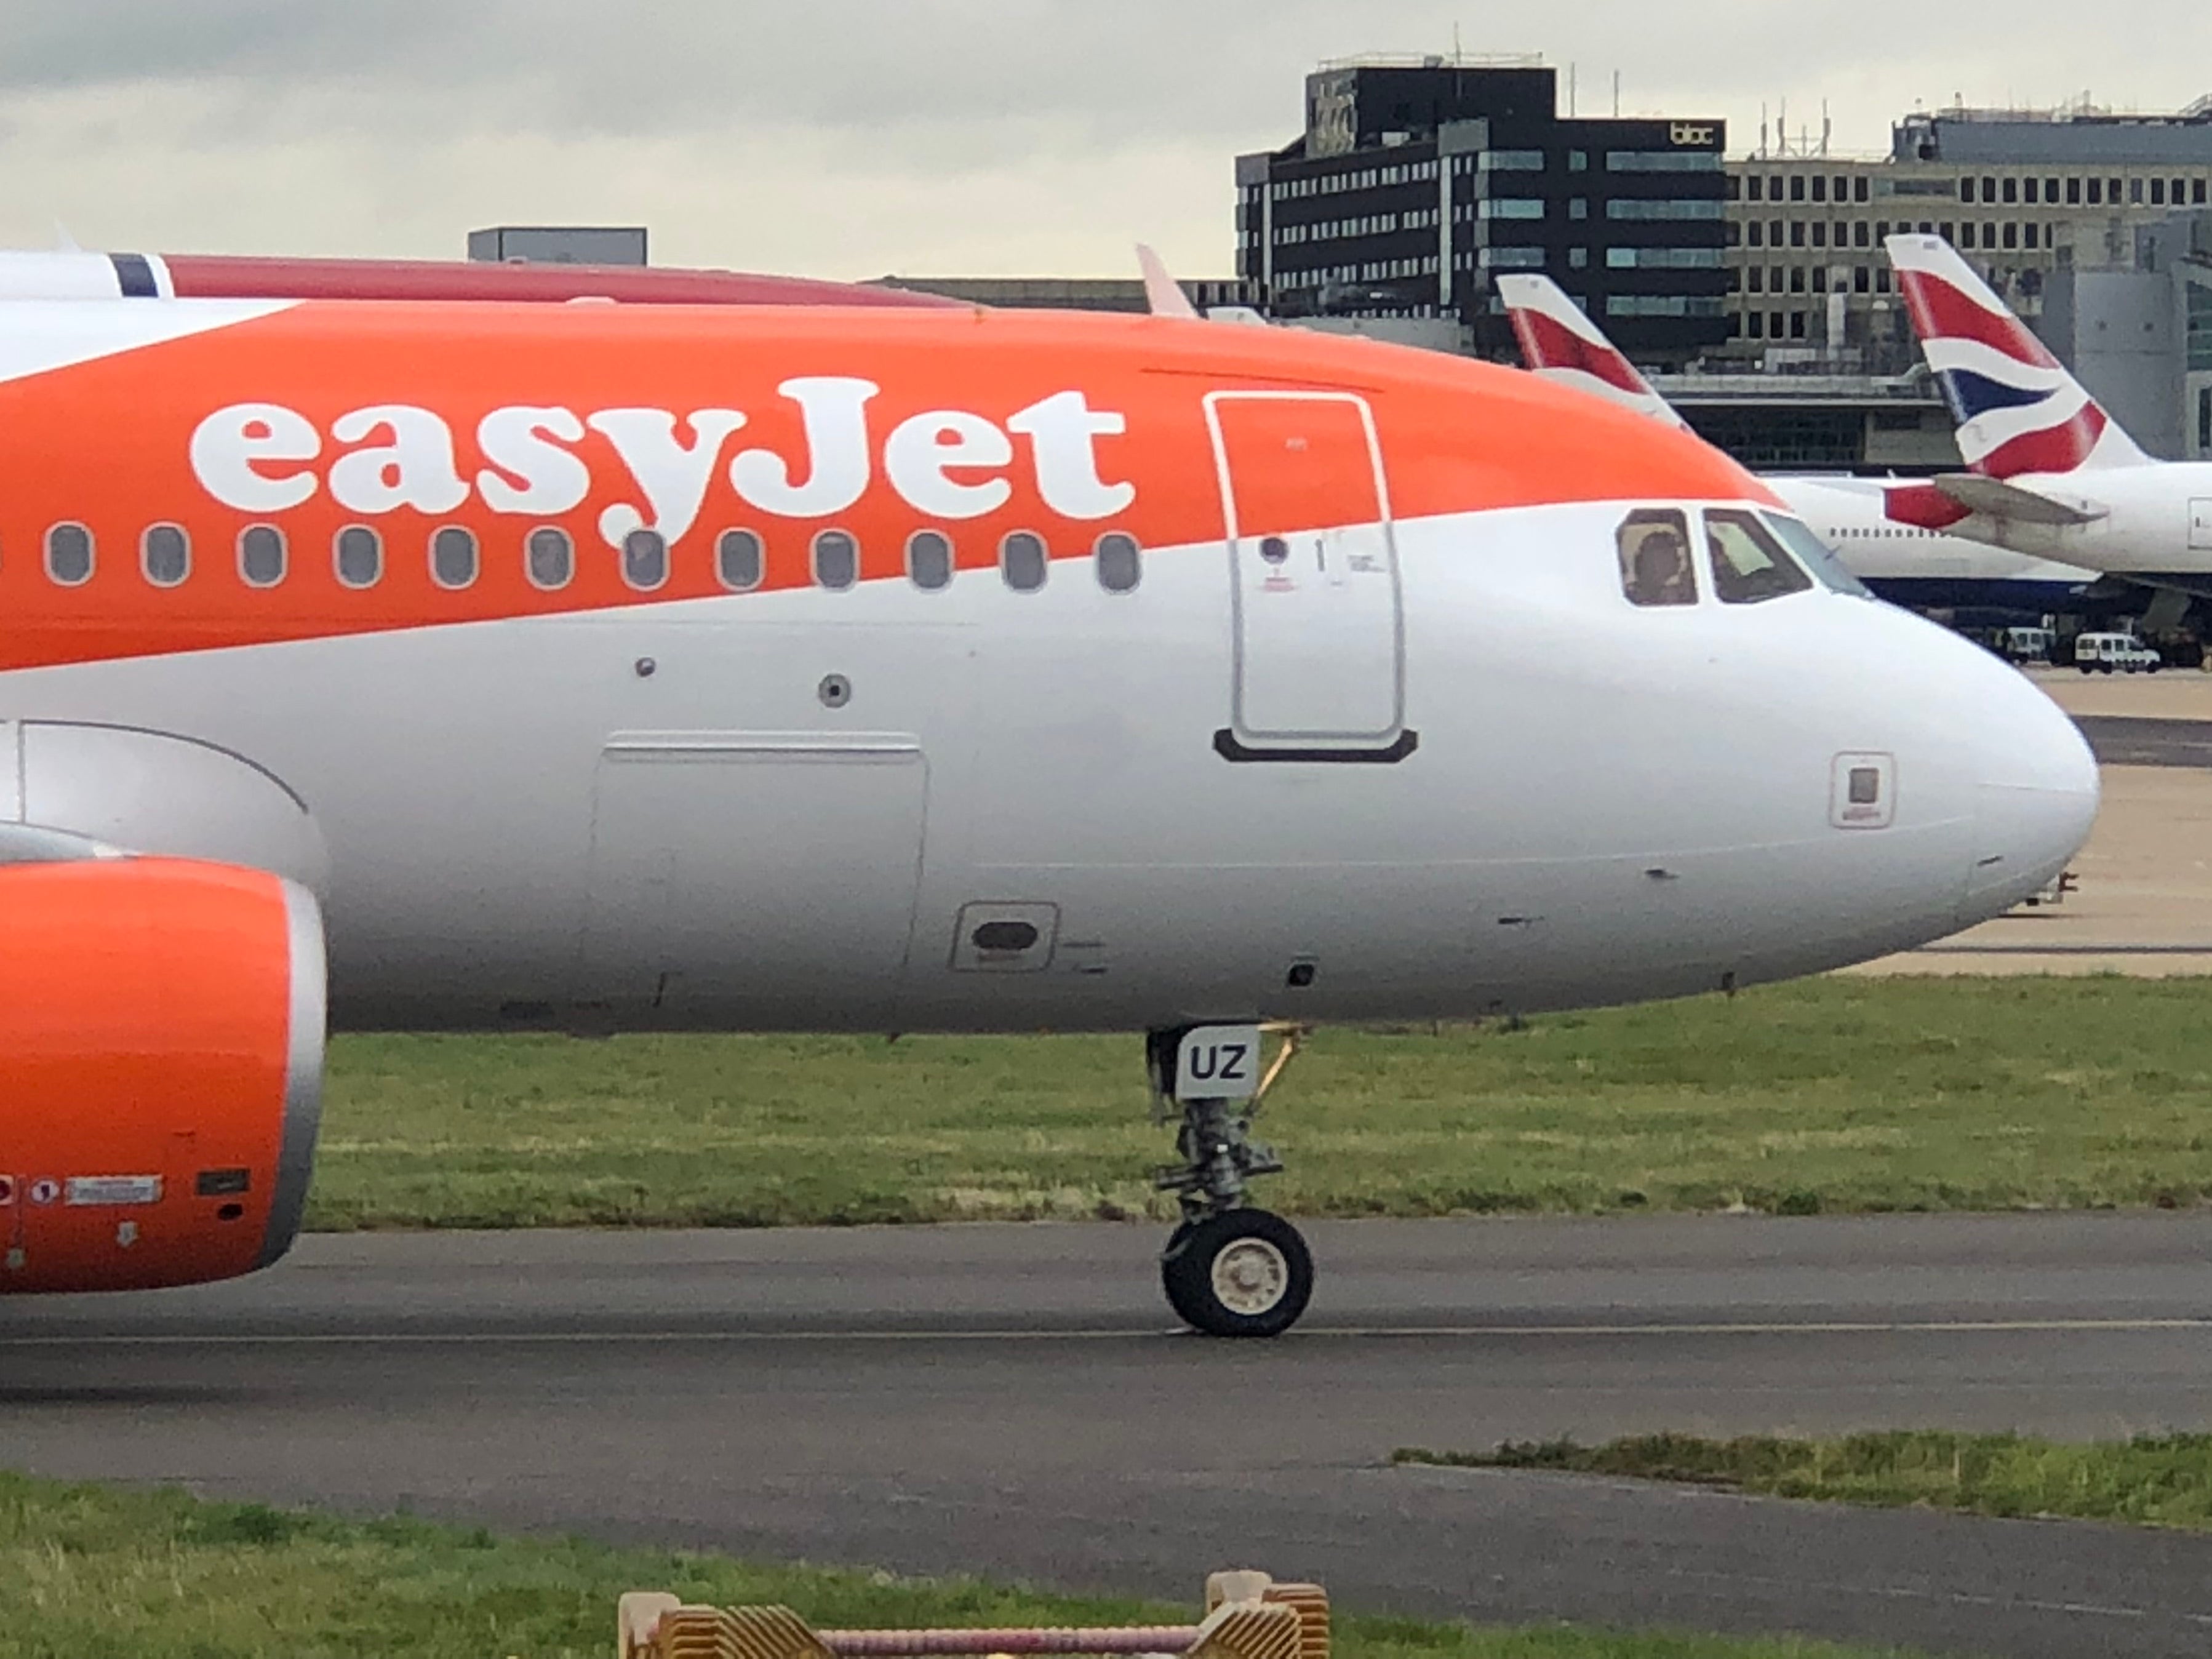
x=1320 y=629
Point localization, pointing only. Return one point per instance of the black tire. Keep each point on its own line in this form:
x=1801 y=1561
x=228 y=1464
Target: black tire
x=1206 y=1261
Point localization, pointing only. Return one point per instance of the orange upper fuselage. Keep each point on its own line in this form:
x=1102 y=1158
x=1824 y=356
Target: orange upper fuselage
x=407 y=421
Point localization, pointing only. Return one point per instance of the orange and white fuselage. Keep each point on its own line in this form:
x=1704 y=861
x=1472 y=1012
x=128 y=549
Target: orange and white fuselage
x=630 y=667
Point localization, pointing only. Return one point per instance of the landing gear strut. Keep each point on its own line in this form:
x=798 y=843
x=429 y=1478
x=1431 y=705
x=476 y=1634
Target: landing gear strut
x=1229 y=1270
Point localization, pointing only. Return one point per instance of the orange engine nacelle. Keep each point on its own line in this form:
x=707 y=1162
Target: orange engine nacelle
x=161 y=1028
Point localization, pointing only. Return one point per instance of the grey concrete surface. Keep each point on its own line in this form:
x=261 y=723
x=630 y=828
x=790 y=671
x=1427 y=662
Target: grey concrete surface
x=1011 y=1401
x=2127 y=740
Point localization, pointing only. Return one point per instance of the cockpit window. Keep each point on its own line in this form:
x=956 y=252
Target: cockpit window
x=1655 y=559
x=1748 y=563
x=1816 y=555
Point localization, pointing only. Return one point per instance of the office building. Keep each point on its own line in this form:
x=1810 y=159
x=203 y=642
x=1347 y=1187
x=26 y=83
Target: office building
x=1416 y=179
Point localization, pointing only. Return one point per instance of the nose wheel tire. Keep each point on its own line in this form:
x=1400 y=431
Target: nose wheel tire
x=1239 y=1273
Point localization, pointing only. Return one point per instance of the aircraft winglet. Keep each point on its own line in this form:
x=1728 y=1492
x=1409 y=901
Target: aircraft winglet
x=1163 y=294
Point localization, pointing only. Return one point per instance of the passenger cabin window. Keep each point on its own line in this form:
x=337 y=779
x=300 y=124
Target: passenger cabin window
x=549 y=558
x=1121 y=562
x=357 y=555
x=929 y=560
x=165 y=554
x=1748 y=564
x=453 y=557
x=836 y=559
x=68 y=555
x=1023 y=560
x=645 y=559
x=262 y=556
x=739 y=560
x=1655 y=559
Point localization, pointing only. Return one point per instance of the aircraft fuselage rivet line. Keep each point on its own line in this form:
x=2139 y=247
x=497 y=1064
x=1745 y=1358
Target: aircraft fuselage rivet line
x=602 y=1338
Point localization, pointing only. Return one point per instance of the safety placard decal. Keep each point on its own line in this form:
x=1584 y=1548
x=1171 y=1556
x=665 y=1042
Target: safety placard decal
x=106 y=1192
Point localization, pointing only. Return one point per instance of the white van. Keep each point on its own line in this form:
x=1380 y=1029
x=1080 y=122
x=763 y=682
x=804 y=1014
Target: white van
x=2025 y=644
x=2101 y=653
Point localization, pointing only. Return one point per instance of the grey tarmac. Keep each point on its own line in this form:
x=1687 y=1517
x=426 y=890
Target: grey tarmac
x=1011 y=1401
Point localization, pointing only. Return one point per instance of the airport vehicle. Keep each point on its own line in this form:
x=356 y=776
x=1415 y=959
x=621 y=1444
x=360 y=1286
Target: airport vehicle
x=2107 y=652
x=633 y=667
x=2049 y=473
x=1906 y=562
x=2026 y=643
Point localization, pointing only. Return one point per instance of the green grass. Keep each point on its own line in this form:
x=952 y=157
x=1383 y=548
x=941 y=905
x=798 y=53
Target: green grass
x=88 y=1572
x=1835 y=1095
x=2152 y=1480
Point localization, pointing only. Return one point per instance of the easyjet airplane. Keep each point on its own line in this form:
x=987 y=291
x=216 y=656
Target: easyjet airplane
x=644 y=668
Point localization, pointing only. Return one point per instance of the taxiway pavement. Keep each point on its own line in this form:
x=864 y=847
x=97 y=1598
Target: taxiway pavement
x=1009 y=1400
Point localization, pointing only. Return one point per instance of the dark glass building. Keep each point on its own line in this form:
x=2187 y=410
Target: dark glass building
x=1416 y=181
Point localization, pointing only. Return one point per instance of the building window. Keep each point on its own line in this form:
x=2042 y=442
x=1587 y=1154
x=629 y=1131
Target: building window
x=2158 y=192
x=2027 y=234
x=1861 y=189
x=453 y=557
x=2196 y=193
x=1757 y=321
x=357 y=556
x=1774 y=324
x=740 y=559
x=1510 y=207
x=2028 y=191
x=1663 y=258
x=1755 y=188
x=261 y=556
x=1797 y=186
x=1797 y=325
x=2011 y=190
x=1577 y=258
x=1578 y=208
x=1819 y=233
x=2050 y=192
x=929 y=560
x=1758 y=282
x=70 y=555
x=1796 y=232
x=645 y=559
x=1662 y=161
x=1882 y=279
x=1661 y=305
x=1861 y=280
x=1119 y=562
x=1989 y=190
x=1819 y=187
x=1797 y=279
x=1756 y=237
x=1510 y=161
x=2073 y=191
x=2096 y=187
x=1578 y=160
x=165 y=554
x=1966 y=190
x=549 y=558
x=2135 y=193
x=836 y=559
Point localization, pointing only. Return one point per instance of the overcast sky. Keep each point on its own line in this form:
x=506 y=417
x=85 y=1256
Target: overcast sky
x=852 y=137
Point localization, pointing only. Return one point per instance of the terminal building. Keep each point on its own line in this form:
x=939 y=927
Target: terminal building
x=2024 y=194
x=1417 y=179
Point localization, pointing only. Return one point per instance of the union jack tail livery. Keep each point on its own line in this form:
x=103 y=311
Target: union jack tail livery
x=1560 y=343
x=2018 y=409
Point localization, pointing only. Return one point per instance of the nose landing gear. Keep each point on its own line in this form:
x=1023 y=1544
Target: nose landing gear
x=1229 y=1270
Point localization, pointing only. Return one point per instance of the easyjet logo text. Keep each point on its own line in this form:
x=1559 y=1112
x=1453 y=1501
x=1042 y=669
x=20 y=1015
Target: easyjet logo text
x=946 y=464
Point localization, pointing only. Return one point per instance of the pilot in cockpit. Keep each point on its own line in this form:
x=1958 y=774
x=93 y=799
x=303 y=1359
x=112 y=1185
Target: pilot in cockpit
x=1655 y=559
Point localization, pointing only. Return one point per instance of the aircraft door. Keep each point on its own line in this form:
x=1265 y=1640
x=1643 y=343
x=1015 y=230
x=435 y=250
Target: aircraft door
x=1319 y=635
x=764 y=879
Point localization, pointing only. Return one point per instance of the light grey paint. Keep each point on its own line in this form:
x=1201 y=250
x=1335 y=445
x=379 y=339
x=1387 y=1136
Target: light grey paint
x=303 y=1074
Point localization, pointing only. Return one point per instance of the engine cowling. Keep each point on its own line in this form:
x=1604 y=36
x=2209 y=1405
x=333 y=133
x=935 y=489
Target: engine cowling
x=162 y=1037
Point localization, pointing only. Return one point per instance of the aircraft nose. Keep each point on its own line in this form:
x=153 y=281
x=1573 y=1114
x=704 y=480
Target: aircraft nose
x=2036 y=800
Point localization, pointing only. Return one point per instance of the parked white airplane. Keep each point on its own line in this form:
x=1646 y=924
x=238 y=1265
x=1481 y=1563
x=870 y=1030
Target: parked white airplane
x=639 y=667
x=2050 y=473
x=1909 y=562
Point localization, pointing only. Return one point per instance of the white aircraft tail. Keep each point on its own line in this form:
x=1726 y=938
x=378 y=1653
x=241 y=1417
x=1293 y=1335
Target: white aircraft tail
x=2017 y=408
x=1561 y=343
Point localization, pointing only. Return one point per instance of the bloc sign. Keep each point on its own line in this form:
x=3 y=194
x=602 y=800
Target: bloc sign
x=1218 y=1062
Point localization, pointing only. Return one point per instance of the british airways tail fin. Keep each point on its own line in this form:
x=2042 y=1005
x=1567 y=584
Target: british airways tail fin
x=2017 y=408
x=1560 y=343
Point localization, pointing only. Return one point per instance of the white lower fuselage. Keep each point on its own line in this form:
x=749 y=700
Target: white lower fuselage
x=1954 y=569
